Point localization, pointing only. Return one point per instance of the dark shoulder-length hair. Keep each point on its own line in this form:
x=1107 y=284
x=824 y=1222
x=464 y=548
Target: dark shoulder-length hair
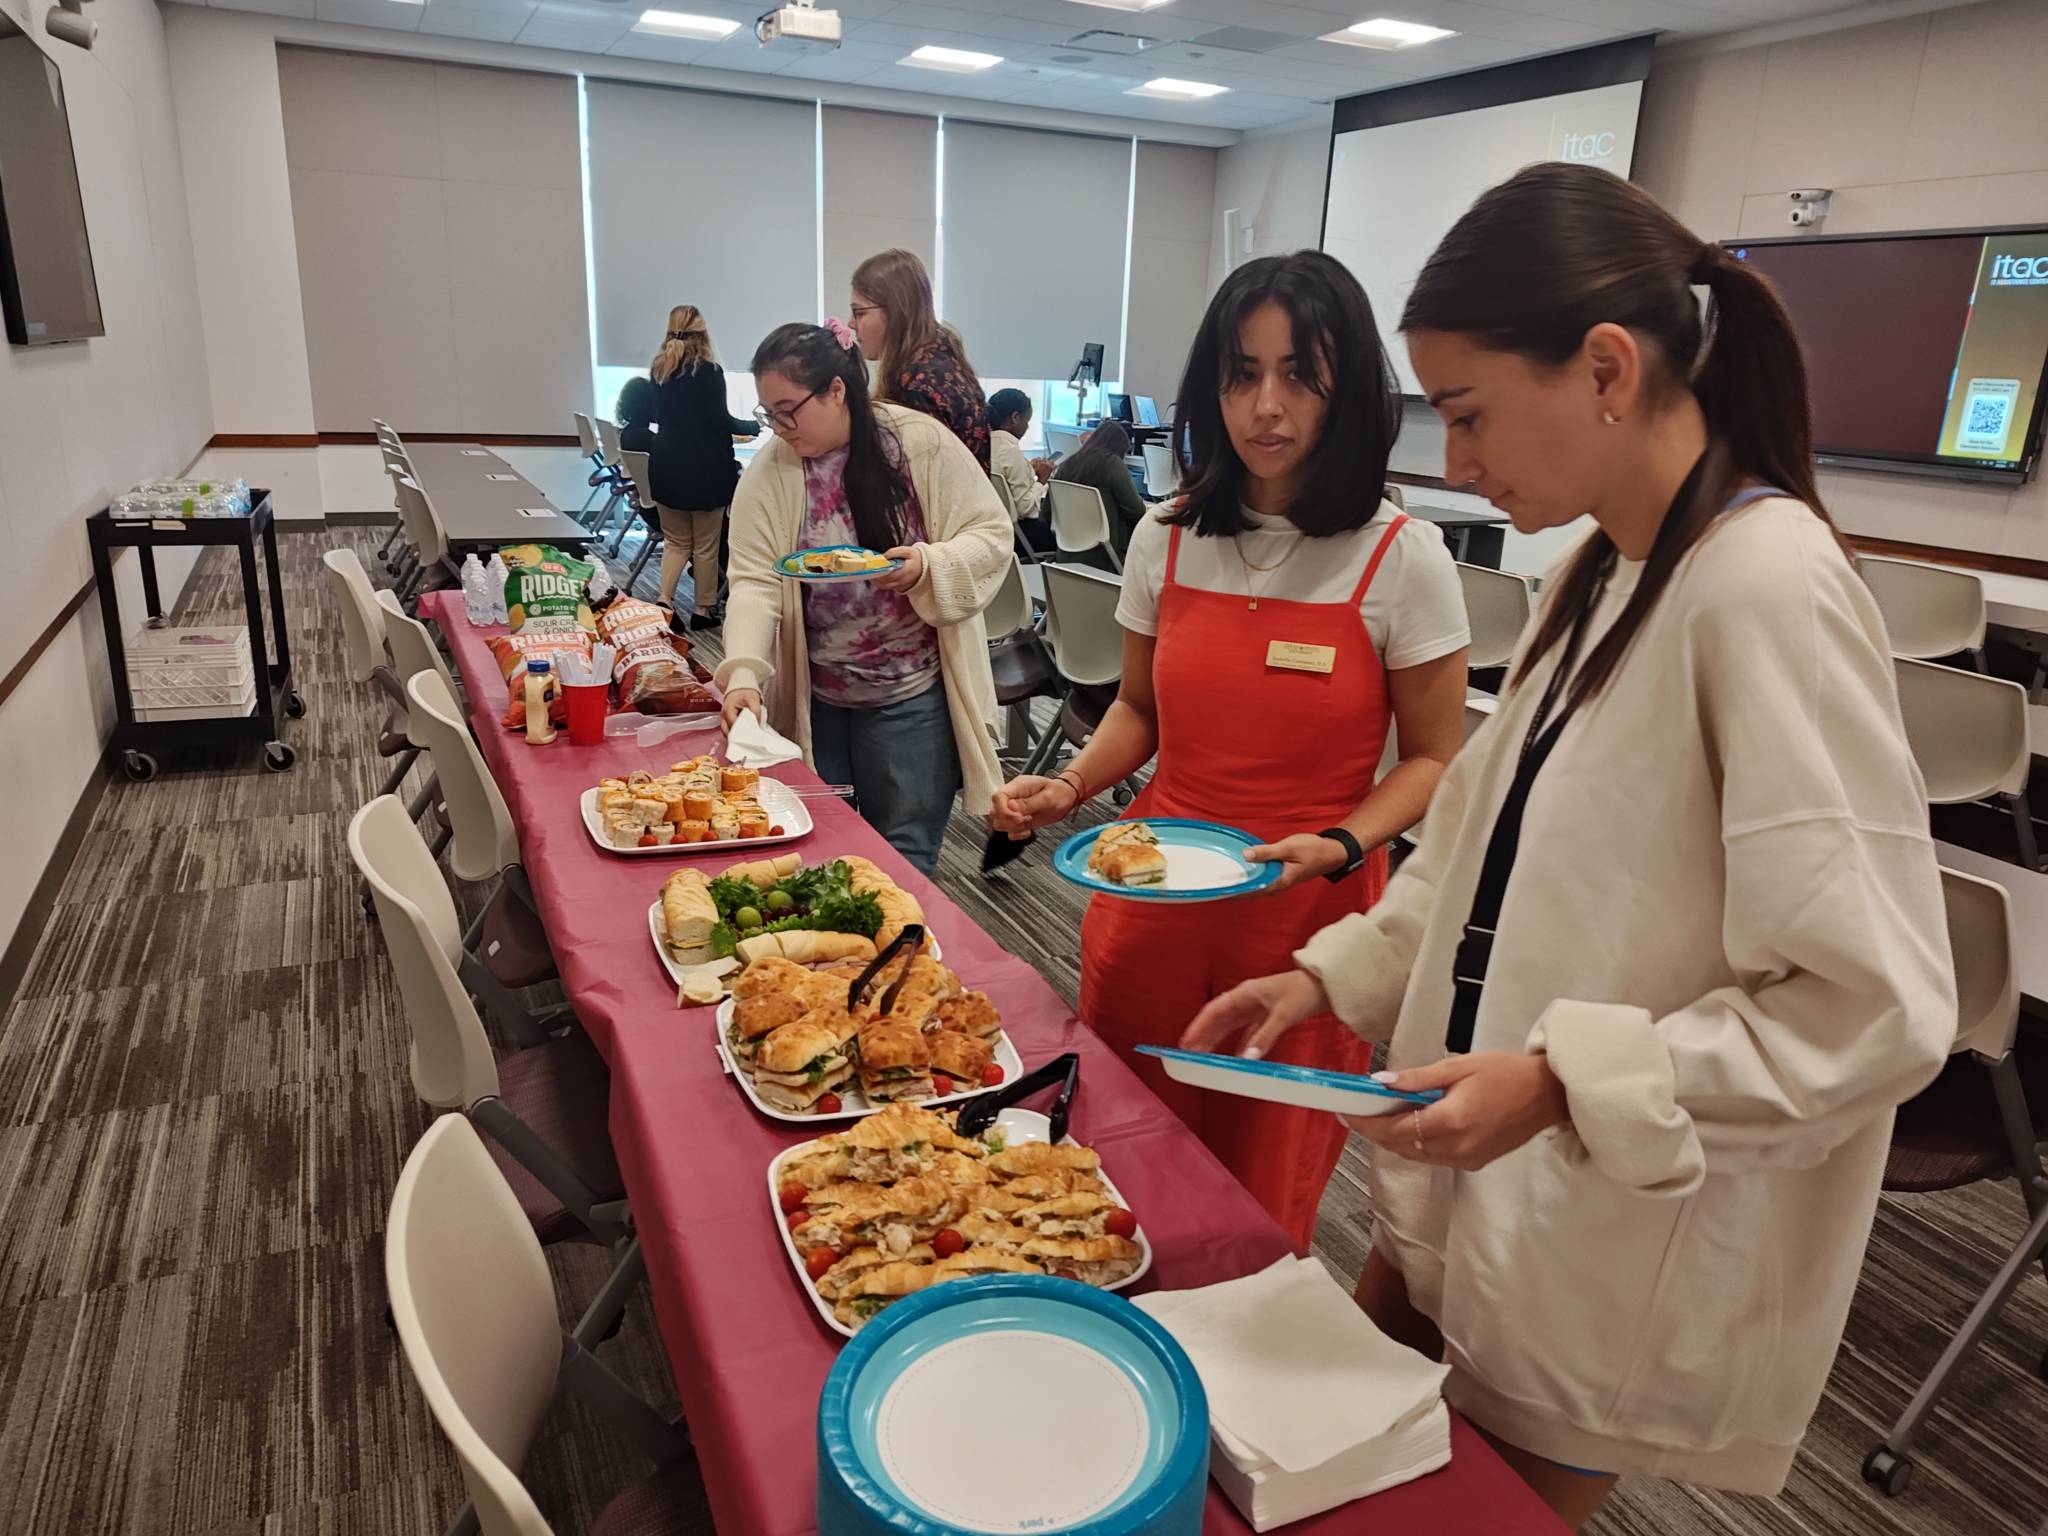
x=1107 y=444
x=876 y=481
x=1343 y=360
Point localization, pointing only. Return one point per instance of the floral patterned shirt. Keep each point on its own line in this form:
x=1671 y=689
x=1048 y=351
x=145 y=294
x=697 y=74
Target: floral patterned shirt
x=935 y=383
x=868 y=648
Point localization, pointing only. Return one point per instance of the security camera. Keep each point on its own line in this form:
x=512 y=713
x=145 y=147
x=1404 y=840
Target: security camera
x=1809 y=206
x=68 y=24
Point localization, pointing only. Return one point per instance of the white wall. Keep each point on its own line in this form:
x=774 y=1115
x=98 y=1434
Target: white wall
x=80 y=423
x=1275 y=180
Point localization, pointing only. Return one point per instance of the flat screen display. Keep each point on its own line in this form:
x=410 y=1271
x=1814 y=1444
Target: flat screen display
x=1923 y=352
x=47 y=289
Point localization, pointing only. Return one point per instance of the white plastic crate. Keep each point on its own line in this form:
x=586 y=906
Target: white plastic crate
x=190 y=668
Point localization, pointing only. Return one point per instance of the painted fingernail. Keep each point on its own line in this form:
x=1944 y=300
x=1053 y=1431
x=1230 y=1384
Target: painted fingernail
x=1251 y=1053
x=1386 y=1077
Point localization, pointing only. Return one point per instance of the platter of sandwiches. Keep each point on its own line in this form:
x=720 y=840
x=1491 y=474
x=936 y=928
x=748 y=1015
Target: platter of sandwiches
x=901 y=1202
x=799 y=1053
x=778 y=907
x=700 y=804
x=836 y=562
x=1164 y=858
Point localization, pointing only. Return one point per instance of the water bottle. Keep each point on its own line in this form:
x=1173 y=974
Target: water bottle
x=475 y=603
x=494 y=590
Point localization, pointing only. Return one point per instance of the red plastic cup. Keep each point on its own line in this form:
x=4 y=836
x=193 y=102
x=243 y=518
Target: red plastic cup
x=587 y=707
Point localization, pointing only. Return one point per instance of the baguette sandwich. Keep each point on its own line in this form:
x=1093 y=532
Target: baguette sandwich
x=767 y=872
x=805 y=946
x=688 y=915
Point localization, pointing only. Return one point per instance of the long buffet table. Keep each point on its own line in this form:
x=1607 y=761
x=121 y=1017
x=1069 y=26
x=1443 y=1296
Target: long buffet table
x=749 y=1353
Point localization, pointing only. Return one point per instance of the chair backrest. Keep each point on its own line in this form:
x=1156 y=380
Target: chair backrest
x=1479 y=708
x=396 y=463
x=1003 y=495
x=1086 y=641
x=486 y=838
x=1980 y=945
x=412 y=648
x=1968 y=732
x=474 y=1308
x=452 y=1064
x=362 y=621
x=643 y=488
x=1162 y=475
x=1928 y=612
x=1497 y=607
x=607 y=439
x=1061 y=441
x=1010 y=609
x=586 y=436
x=422 y=526
x=1394 y=493
x=1080 y=518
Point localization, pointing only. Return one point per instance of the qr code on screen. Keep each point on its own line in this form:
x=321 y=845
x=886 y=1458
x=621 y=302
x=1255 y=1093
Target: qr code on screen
x=1987 y=416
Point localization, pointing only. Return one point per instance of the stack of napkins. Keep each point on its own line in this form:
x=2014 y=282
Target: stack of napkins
x=1310 y=1405
x=753 y=743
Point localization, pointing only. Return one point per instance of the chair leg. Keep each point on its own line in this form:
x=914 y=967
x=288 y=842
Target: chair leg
x=519 y=1022
x=639 y=563
x=1977 y=660
x=2023 y=827
x=390 y=538
x=546 y=1165
x=2018 y=1123
x=1048 y=747
x=600 y=1390
x=400 y=767
x=1115 y=564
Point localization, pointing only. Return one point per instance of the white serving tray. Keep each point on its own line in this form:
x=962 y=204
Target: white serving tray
x=788 y=812
x=1020 y=1127
x=676 y=972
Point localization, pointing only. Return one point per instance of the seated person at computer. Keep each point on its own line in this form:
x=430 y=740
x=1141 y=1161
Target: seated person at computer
x=1022 y=479
x=1099 y=462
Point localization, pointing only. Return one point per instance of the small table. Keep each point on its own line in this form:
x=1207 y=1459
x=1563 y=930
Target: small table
x=1475 y=536
x=476 y=510
x=2028 y=891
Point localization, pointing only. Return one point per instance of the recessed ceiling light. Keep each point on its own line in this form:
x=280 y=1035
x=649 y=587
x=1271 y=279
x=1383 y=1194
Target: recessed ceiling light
x=1124 y=5
x=408 y=2
x=1178 y=90
x=681 y=24
x=1385 y=33
x=961 y=61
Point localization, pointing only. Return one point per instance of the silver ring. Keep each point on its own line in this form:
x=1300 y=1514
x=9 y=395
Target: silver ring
x=1415 y=1120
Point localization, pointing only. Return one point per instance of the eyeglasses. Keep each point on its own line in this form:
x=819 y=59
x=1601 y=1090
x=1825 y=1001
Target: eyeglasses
x=784 y=420
x=859 y=310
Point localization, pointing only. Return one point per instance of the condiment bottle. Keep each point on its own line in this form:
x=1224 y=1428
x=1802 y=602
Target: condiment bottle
x=540 y=730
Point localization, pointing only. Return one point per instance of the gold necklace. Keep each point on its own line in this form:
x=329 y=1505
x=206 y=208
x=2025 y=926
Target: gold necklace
x=1251 y=589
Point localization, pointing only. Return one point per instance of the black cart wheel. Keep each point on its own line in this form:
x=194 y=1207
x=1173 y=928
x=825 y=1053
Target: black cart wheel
x=278 y=756
x=1121 y=795
x=139 y=766
x=1887 y=1472
x=294 y=706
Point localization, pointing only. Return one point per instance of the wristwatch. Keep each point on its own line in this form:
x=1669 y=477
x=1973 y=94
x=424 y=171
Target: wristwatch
x=1354 y=856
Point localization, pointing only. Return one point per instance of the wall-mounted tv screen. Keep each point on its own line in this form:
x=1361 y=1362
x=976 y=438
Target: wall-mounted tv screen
x=47 y=289
x=1924 y=352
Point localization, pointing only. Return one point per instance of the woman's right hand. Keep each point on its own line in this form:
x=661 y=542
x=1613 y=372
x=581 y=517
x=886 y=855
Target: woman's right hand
x=1030 y=801
x=737 y=700
x=1268 y=1006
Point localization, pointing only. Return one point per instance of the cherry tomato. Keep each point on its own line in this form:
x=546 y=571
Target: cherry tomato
x=1064 y=1272
x=991 y=1075
x=646 y=840
x=947 y=1242
x=1120 y=1223
x=797 y=1219
x=775 y=832
x=791 y=1195
x=941 y=1083
x=828 y=1104
x=818 y=1260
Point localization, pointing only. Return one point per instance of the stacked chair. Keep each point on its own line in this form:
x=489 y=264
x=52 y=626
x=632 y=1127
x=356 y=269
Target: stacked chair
x=1087 y=646
x=1497 y=607
x=1969 y=736
x=1080 y=520
x=1017 y=656
x=641 y=508
x=593 y=452
x=364 y=627
x=1929 y=613
x=392 y=447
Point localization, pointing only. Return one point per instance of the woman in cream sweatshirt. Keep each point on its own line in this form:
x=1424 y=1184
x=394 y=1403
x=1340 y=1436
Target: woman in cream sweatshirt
x=1673 y=945
x=885 y=683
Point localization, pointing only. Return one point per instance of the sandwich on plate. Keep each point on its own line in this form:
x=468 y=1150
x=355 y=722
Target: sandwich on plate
x=800 y=1063
x=834 y=1282
x=895 y=1063
x=871 y=1292
x=1127 y=853
x=688 y=915
x=1091 y=1260
x=897 y=1142
x=754 y=1019
x=1043 y=1157
x=961 y=1057
x=970 y=1013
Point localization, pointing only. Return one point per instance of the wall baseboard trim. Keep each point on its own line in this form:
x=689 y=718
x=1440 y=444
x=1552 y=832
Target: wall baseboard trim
x=368 y=439
x=265 y=440
x=21 y=948
x=355 y=520
x=1969 y=559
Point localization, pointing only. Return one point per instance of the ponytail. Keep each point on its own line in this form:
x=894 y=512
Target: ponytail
x=1557 y=249
x=877 y=490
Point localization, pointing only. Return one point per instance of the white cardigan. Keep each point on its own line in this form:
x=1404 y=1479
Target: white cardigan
x=964 y=564
x=1725 y=928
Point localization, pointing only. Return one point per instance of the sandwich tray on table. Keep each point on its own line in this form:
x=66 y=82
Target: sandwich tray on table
x=791 y=815
x=1184 y=860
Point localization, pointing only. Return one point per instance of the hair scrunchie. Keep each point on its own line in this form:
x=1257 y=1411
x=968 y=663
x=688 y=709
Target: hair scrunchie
x=842 y=333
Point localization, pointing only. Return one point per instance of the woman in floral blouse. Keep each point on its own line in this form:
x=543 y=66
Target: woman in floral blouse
x=885 y=683
x=919 y=362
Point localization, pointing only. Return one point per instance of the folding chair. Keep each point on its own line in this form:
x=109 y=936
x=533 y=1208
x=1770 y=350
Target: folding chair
x=1969 y=736
x=1928 y=612
x=1080 y=520
x=1023 y=671
x=1497 y=607
x=1087 y=646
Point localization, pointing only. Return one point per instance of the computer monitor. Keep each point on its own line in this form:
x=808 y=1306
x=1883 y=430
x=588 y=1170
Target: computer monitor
x=1148 y=410
x=1117 y=408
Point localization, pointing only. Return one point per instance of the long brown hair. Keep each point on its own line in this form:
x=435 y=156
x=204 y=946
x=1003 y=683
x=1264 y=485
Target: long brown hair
x=897 y=281
x=1558 y=249
x=687 y=344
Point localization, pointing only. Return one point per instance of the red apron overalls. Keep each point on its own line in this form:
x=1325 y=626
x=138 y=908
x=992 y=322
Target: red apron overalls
x=1275 y=752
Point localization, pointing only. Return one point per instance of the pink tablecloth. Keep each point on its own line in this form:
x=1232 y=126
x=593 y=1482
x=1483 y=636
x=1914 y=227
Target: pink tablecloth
x=749 y=1353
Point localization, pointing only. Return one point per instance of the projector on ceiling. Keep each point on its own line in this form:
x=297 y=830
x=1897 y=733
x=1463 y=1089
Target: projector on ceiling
x=801 y=25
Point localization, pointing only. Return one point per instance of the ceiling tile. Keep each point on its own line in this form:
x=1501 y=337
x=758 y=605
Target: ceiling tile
x=543 y=32
x=652 y=45
x=301 y=9
x=491 y=26
x=391 y=15
x=1652 y=15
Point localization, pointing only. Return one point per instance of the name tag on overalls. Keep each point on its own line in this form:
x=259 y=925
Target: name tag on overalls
x=1292 y=656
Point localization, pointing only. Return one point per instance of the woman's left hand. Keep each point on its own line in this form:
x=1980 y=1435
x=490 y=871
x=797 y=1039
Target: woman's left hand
x=908 y=575
x=1493 y=1102
x=1301 y=857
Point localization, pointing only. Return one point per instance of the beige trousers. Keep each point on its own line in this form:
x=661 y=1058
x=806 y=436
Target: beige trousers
x=692 y=537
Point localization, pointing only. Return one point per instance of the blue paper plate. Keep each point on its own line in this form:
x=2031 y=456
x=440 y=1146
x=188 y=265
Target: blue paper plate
x=1012 y=1403
x=1283 y=1082
x=788 y=566
x=1204 y=862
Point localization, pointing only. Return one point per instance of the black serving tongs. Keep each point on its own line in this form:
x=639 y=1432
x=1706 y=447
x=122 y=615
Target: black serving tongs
x=978 y=1113
x=911 y=939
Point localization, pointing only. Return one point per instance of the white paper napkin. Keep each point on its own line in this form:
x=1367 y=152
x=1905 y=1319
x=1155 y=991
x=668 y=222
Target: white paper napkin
x=753 y=743
x=1294 y=1371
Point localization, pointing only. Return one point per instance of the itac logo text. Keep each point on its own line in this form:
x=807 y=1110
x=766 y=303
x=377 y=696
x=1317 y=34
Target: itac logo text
x=1588 y=147
x=2019 y=271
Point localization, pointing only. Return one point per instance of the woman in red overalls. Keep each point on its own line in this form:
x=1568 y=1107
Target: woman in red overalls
x=1279 y=621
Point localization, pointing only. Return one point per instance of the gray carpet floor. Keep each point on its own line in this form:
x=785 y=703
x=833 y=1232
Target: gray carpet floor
x=204 y=1105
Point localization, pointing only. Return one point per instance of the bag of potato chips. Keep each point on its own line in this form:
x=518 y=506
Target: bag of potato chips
x=542 y=582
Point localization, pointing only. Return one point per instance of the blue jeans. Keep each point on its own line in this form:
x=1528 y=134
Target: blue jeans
x=902 y=763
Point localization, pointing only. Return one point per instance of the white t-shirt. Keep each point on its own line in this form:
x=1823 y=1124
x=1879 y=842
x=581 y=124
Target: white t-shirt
x=1414 y=610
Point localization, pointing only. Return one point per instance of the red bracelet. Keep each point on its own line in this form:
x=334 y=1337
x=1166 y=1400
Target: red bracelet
x=1077 y=785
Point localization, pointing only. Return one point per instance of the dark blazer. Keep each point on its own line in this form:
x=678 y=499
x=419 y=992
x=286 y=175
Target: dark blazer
x=690 y=458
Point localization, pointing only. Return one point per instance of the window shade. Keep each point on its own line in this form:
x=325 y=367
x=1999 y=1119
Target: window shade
x=705 y=199
x=881 y=192
x=1173 y=210
x=1033 y=230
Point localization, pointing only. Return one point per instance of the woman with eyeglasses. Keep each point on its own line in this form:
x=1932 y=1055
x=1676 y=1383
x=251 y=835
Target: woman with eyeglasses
x=1673 y=946
x=919 y=361
x=885 y=683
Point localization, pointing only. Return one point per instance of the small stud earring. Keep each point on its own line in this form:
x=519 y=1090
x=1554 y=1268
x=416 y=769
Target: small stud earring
x=1610 y=418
